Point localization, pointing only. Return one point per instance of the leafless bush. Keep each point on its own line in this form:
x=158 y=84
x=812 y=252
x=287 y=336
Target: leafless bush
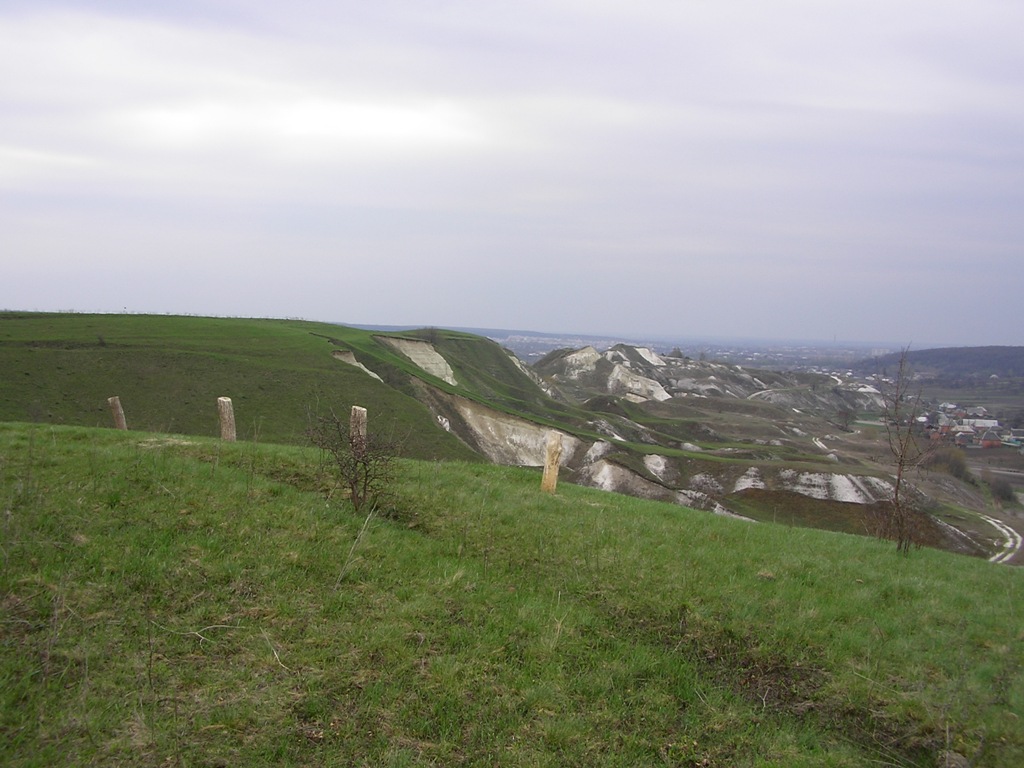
x=361 y=465
x=899 y=519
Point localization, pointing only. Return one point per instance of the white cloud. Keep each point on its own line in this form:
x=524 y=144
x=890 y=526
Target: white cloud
x=726 y=146
x=19 y=165
x=310 y=128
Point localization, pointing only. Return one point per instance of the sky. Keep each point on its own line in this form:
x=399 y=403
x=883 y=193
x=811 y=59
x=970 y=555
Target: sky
x=795 y=169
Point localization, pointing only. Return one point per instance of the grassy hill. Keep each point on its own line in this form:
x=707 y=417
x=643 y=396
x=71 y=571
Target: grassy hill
x=955 y=362
x=169 y=372
x=182 y=601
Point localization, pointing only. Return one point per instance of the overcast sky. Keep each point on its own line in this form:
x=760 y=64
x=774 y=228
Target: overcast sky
x=794 y=169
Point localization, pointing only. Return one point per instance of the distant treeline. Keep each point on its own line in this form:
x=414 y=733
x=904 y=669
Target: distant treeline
x=1007 y=362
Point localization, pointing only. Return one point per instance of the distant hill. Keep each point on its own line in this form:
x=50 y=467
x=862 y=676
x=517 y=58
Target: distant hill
x=954 y=362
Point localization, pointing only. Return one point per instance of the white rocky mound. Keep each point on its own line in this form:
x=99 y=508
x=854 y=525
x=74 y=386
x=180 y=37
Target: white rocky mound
x=423 y=354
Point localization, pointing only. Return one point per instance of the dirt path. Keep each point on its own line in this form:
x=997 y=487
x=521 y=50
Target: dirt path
x=1005 y=465
x=1010 y=553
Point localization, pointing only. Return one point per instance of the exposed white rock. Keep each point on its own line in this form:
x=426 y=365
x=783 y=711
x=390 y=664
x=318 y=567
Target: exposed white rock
x=750 y=479
x=580 y=362
x=853 y=489
x=882 y=489
x=532 y=374
x=506 y=439
x=650 y=356
x=702 y=501
x=346 y=356
x=609 y=476
x=706 y=483
x=656 y=465
x=632 y=386
x=605 y=428
x=604 y=475
x=842 y=488
x=422 y=354
x=813 y=484
x=597 y=451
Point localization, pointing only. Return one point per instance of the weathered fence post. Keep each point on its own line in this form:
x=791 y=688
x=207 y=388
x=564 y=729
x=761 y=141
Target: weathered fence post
x=357 y=431
x=116 y=409
x=227 y=419
x=552 y=459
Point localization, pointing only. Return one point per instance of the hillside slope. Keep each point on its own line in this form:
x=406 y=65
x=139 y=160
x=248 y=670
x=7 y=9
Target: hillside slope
x=180 y=601
x=761 y=444
x=169 y=372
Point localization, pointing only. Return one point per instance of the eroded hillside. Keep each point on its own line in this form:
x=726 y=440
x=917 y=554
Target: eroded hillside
x=748 y=443
x=760 y=445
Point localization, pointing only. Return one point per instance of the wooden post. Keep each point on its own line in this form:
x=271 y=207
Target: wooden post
x=552 y=459
x=116 y=409
x=227 y=419
x=357 y=431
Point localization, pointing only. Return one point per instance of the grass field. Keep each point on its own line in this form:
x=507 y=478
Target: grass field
x=182 y=601
x=169 y=371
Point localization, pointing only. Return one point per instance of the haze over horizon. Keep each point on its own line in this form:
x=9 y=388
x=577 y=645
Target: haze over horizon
x=744 y=170
x=661 y=338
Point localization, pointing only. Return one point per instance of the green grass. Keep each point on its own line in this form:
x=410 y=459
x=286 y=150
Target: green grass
x=169 y=372
x=170 y=601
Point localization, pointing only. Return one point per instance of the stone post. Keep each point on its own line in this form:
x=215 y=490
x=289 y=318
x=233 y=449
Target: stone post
x=357 y=431
x=227 y=419
x=552 y=459
x=115 y=408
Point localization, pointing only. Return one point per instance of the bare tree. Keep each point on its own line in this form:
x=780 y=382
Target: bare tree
x=902 y=406
x=362 y=464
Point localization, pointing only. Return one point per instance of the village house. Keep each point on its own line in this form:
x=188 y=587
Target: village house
x=971 y=427
x=980 y=424
x=990 y=439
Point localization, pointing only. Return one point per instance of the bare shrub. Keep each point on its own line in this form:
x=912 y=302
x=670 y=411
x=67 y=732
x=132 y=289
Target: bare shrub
x=362 y=465
x=899 y=519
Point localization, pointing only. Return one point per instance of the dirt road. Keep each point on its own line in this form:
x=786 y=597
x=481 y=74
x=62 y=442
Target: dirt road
x=1011 y=551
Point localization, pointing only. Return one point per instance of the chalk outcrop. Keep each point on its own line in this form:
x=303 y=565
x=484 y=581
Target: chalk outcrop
x=347 y=356
x=422 y=354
